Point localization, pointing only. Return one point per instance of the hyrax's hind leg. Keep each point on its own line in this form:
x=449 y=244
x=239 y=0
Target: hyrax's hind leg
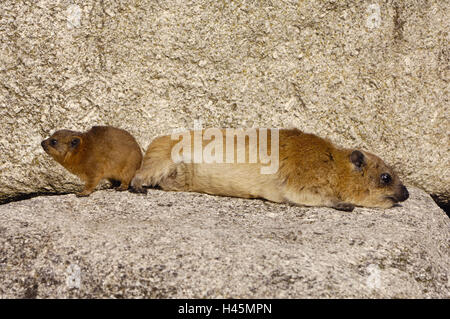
x=124 y=184
x=126 y=176
x=177 y=180
x=138 y=182
x=152 y=173
x=157 y=165
x=119 y=184
x=114 y=182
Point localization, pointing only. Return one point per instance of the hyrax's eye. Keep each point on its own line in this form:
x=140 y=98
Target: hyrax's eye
x=75 y=142
x=53 y=142
x=385 y=178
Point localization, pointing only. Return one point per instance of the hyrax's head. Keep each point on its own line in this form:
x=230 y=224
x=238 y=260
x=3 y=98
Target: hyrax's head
x=373 y=183
x=62 y=145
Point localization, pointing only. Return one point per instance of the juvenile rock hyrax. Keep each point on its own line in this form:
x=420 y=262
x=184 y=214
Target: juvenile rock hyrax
x=311 y=170
x=103 y=152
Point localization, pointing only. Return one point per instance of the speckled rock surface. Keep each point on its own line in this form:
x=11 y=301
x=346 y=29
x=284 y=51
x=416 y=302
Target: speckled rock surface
x=367 y=74
x=168 y=244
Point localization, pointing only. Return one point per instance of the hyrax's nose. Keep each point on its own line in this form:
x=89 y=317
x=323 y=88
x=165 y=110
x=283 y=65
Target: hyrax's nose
x=43 y=144
x=404 y=194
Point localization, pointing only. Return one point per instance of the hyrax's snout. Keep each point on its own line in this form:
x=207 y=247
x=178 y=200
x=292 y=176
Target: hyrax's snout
x=403 y=194
x=49 y=143
x=44 y=145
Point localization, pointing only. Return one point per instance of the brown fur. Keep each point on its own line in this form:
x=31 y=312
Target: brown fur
x=312 y=172
x=103 y=152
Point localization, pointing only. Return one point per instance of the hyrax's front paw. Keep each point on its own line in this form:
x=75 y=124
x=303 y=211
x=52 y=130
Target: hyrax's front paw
x=83 y=193
x=346 y=207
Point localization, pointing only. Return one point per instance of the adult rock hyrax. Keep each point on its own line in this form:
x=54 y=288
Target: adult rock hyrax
x=103 y=152
x=311 y=170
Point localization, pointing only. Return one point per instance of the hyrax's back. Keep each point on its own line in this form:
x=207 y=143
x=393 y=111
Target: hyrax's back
x=297 y=160
x=118 y=150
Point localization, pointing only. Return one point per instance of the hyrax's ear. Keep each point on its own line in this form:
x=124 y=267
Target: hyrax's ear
x=357 y=158
x=76 y=140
